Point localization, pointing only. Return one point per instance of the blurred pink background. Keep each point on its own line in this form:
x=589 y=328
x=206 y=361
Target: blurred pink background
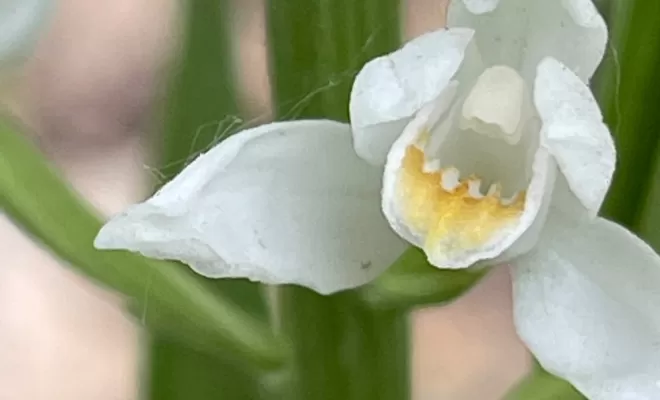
x=87 y=95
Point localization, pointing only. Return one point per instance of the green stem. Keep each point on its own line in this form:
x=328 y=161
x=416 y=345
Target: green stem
x=313 y=324
x=199 y=112
x=201 y=102
x=318 y=46
x=179 y=372
x=342 y=349
x=167 y=295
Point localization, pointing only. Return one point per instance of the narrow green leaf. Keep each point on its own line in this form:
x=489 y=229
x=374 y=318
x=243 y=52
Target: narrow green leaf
x=201 y=110
x=649 y=225
x=412 y=282
x=540 y=385
x=629 y=99
x=166 y=294
x=342 y=349
x=628 y=86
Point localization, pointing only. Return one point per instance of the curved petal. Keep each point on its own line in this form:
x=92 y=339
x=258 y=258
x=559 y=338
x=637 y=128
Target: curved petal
x=586 y=304
x=391 y=88
x=574 y=132
x=282 y=203
x=520 y=33
x=18 y=22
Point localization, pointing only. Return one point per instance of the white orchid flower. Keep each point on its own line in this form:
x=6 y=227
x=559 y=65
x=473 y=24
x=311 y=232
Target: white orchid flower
x=487 y=146
x=19 y=21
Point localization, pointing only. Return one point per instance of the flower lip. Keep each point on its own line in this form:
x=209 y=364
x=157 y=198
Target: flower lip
x=460 y=194
x=449 y=217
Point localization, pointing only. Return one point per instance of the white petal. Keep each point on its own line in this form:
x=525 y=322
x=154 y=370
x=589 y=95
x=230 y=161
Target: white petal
x=574 y=132
x=520 y=33
x=454 y=231
x=19 y=19
x=391 y=88
x=285 y=202
x=586 y=304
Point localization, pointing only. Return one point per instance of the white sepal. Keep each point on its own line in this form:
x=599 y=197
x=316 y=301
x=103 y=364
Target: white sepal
x=282 y=203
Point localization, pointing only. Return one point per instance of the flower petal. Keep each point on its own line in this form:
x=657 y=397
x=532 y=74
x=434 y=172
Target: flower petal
x=286 y=202
x=520 y=33
x=391 y=88
x=574 y=132
x=586 y=304
x=18 y=22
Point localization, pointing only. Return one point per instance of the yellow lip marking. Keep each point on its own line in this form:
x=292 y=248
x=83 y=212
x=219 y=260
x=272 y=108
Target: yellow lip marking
x=451 y=219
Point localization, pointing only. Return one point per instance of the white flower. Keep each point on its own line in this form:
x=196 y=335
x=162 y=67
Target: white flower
x=493 y=150
x=19 y=20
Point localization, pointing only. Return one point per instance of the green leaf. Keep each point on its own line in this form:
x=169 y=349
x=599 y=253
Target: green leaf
x=342 y=349
x=649 y=225
x=627 y=86
x=412 y=282
x=540 y=385
x=201 y=109
x=627 y=93
x=166 y=294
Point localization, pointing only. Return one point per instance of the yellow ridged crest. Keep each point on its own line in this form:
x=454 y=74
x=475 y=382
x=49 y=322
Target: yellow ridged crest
x=453 y=219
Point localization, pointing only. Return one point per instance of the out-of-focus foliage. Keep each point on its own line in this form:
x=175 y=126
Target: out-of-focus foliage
x=627 y=88
x=165 y=295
